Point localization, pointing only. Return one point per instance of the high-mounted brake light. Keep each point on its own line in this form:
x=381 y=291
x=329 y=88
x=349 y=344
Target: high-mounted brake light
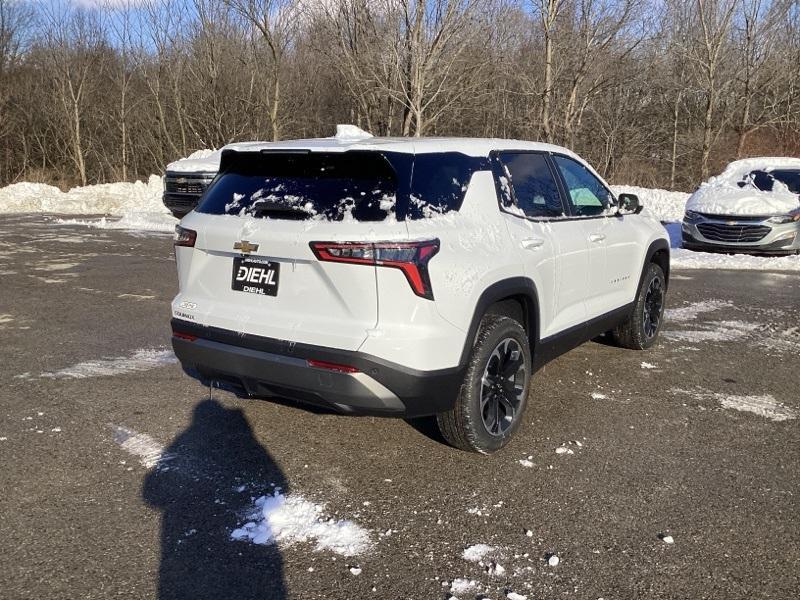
x=410 y=257
x=184 y=237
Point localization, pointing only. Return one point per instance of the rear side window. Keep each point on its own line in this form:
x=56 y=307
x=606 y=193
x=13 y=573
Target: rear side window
x=439 y=182
x=587 y=195
x=527 y=184
x=333 y=186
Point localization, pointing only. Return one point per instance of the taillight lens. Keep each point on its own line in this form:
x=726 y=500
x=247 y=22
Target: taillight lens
x=184 y=237
x=410 y=257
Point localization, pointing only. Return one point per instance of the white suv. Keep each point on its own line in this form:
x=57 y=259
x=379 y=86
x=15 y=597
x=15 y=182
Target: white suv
x=410 y=277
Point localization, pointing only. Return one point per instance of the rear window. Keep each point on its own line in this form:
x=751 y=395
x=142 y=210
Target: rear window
x=297 y=186
x=362 y=185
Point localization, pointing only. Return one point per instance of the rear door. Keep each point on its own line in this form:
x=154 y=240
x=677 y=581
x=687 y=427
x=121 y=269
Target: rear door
x=553 y=251
x=253 y=270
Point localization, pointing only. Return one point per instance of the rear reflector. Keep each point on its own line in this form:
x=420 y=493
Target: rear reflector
x=410 y=257
x=324 y=364
x=184 y=336
x=184 y=237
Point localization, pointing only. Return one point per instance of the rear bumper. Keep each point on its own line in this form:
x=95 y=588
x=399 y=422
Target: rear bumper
x=262 y=367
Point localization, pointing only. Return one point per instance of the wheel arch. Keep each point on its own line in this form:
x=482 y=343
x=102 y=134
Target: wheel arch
x=658 y=253
x=496 y=299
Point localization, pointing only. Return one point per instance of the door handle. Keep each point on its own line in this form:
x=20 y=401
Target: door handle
x=532 y=243
x=596 y=237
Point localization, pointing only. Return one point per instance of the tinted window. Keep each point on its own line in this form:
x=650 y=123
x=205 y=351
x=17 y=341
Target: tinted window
x=587 y=195
x=439 y=182
x=765 y=181
x=527 y=183
x=361 y=185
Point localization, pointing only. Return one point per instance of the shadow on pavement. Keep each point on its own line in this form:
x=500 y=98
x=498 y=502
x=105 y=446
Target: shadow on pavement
x=195 y=487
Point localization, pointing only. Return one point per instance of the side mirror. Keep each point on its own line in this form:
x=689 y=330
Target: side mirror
x=628 y=204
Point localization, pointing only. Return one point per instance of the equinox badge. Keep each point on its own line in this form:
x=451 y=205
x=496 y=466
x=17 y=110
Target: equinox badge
x=245 y=247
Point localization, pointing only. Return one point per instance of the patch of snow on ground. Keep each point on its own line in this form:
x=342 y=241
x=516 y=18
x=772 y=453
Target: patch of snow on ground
x=461 y=585
x=765 y=406
x=526 y=463
x=477 y=552
x=149 y=452
x=141 y=360
x=647 y=365
x=515 y=596
x=598 y=396
x=286 y=519
x=687 y=259
x=134 y=221
x=691 y=311
x=715 y=331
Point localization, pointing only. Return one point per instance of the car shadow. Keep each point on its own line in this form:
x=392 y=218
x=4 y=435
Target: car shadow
x=204 y=486
x=428 y=427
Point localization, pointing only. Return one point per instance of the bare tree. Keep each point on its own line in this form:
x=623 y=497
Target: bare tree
x=714 y=19
x=276 y=21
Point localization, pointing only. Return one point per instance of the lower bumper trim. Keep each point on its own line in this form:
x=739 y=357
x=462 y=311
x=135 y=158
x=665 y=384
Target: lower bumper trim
x=377 y=388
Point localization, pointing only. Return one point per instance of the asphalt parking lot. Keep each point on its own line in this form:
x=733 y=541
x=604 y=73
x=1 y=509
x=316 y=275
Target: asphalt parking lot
x=695 y=440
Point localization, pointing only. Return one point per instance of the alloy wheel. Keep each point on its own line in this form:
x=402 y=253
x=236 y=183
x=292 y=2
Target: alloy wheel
x=653 y=307
x=502 y=387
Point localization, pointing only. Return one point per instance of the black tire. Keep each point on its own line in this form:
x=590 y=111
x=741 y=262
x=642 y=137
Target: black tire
x=480 y=421
x=640 y=331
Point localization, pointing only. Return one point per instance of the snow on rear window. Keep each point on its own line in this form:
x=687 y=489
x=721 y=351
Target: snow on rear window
x=331 y=186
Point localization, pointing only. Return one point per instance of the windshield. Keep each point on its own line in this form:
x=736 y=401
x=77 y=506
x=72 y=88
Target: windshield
x=765 y=180
x=333 y=186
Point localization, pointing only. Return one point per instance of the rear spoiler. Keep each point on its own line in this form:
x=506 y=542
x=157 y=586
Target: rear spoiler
x=230 y=157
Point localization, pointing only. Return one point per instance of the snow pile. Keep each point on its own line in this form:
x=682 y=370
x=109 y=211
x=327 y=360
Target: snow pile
x=477 y=552
x=722 y=195
x=462 y=585
x=104 y=199
x=141 y=360
x=664 y=205
x=288 y=519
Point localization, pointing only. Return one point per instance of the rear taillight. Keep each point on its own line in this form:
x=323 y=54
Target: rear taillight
x=184 y=237
x=410 y=257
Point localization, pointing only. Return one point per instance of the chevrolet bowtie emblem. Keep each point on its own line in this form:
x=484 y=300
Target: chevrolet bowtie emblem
x=245 y=247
